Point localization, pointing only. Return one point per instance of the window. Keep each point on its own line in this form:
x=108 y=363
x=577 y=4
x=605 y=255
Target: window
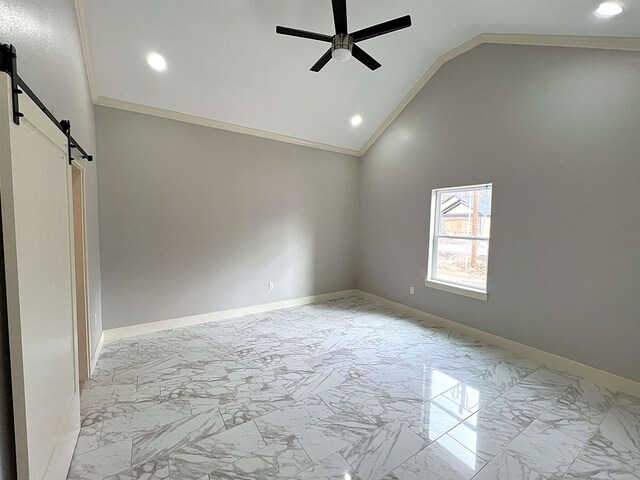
x=459 y=240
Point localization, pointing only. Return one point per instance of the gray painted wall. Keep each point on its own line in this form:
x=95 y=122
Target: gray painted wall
x=557 y=131
x=195 y=220
x=46 y=36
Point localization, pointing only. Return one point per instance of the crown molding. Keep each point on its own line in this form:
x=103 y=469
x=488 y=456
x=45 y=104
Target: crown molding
x=207 y=122
x=431 y=71
x=86 y=49
x=605 y=43
x=629 y=44
x=573 y=41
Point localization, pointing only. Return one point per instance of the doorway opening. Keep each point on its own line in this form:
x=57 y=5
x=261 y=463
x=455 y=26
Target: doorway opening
x=79 y=247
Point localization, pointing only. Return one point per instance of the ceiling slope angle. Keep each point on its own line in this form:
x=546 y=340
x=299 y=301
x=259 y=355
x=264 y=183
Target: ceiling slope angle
x=227 y=68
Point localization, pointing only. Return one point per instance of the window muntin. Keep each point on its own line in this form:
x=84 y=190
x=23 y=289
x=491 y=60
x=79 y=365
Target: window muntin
x=459 y=240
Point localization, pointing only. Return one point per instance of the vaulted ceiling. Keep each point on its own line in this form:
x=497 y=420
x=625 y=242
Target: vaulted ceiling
x=226 y=63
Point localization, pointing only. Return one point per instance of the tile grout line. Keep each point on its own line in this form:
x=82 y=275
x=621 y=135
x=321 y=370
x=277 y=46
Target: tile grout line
x=504 y=449
x=588 y=441
x=458 y=342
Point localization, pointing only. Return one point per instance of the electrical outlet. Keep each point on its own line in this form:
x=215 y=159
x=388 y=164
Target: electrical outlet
x=411 y=291
x=270 y=285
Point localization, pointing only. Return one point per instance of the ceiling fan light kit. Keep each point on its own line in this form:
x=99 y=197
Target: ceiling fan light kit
x=343 y=44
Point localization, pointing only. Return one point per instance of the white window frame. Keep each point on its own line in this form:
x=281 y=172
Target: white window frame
x=434 y=235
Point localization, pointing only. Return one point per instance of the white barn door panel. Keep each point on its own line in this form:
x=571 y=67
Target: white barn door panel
x=35 y=197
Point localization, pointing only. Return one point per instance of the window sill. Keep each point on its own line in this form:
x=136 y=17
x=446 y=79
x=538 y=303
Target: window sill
x=457 y=289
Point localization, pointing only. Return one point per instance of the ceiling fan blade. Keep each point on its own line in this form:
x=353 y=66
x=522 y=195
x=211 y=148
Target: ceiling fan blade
x=294 y=32
x=340 y=15
x=324 y=59
x=382 y=28
x=365 y=58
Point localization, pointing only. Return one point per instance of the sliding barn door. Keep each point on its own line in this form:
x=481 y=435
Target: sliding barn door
x=35 y=197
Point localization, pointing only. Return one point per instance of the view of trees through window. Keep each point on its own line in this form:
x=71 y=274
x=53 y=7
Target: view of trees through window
x=461 y=236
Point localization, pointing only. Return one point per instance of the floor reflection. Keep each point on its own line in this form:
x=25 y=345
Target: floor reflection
x=456 y=403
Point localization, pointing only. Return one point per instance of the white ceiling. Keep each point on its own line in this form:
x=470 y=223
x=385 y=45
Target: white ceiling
x=226 y=63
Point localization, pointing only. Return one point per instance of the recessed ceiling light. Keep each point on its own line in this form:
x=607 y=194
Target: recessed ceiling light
x=157 y=61
x=609 y=9
x=356 y=120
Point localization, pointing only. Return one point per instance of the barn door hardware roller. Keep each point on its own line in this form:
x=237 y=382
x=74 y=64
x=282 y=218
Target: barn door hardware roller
x=9 y=64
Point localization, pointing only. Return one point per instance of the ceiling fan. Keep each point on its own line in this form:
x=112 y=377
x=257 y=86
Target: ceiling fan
x=343 y=44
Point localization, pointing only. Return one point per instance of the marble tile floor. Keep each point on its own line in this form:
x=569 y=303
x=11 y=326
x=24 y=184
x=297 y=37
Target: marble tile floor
x=343 y=390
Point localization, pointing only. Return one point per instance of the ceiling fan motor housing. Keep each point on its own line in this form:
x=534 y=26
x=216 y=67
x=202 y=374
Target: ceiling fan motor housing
x=341 y=46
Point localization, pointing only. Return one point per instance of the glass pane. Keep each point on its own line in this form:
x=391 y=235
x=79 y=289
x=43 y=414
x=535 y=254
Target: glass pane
x=462 y=262
x=466 y=213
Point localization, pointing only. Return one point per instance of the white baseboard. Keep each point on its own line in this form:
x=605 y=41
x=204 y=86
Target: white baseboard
x=122 y=332
x=610 y=380
x=96 y=353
